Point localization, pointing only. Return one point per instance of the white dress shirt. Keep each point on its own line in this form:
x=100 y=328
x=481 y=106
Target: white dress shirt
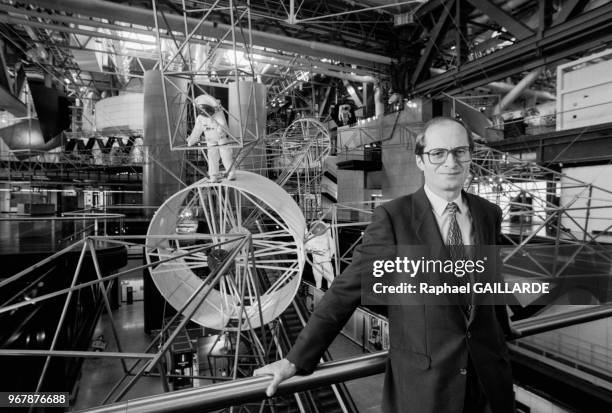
x=464 y=218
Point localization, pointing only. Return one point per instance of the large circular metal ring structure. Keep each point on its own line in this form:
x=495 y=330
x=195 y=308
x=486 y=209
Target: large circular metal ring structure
x=307 y=132
x=305 y=146
x=260 y=283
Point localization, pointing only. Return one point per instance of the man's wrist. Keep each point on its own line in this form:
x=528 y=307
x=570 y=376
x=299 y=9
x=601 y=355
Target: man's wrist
x=292 y=366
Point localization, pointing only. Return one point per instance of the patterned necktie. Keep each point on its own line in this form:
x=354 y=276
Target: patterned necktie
x=454 y=238
x=454 y=241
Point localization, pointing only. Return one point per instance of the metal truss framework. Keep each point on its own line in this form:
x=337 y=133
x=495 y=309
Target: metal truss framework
x=106 y=28
x=527 y=38
x=177 y=62
x=305 y=147
x=152 y=357
x=540 y=204
x=248 y=238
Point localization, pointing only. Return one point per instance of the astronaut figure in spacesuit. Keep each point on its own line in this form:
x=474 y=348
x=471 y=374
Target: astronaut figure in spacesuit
x=320 y=244
x=211 y=122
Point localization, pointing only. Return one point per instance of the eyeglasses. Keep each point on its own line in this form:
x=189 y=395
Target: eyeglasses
x=439 y=155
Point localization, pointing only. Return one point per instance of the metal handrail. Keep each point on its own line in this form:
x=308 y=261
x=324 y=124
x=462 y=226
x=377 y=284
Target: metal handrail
x=253 y=389
x=248 y=390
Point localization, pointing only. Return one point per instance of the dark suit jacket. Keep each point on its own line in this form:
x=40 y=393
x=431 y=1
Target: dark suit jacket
x=429 y=344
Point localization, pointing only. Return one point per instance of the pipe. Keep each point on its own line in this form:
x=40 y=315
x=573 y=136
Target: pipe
x=137 y=15
x=252 y=389
x=507 y=87
x=517 y=90
x=352 y=93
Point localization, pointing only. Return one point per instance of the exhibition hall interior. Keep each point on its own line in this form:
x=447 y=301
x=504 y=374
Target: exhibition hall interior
x=181 y=181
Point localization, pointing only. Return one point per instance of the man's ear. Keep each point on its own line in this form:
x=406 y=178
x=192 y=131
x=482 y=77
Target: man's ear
x=419 y=162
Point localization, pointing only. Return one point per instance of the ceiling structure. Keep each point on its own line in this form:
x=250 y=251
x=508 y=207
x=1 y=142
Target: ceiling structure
x=418 y=47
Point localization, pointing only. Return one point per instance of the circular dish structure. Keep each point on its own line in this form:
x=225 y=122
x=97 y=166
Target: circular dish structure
x=305 y=146
x=306 y=132
x=261 y=282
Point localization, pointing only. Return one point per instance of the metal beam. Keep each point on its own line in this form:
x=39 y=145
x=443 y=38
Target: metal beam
x=575 y=36
x=462 y=11
x=545 y=10
x=355 y=74
x=293 y=19
x=426 y=57
x=501 y=17
x=570 y=8
x=142 y=16
x=424 y=9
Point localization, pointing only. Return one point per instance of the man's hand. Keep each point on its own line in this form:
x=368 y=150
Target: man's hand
x=280 y=371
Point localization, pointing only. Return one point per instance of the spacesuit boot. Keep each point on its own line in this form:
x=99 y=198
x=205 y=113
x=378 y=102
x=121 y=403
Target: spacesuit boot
x=213 y=163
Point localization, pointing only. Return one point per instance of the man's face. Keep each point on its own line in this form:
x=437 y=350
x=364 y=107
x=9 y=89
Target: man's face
x=450 y=174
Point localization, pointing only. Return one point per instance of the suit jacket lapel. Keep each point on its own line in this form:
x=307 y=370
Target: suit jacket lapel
x=478 y=215
x=425 y=225
x=478 y=223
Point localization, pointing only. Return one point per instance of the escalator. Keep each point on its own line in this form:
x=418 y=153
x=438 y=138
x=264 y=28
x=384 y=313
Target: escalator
x=335 y=398
x=328 y=399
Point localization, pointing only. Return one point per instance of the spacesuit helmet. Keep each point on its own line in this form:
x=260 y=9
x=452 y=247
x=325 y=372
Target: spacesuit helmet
x=207 y=105
x=318 y=228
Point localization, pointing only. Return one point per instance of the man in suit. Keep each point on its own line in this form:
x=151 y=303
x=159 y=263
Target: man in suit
x=442 y=358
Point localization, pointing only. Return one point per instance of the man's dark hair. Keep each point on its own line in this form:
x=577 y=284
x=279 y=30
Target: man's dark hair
x=419 y=145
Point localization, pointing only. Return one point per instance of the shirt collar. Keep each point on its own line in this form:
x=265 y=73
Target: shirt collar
x=439 y=204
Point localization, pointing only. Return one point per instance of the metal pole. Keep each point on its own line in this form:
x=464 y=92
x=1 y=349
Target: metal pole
x=90 y=283
x=188 y=36
x=38 y=264
x=588 y=213
x=217 y=275
x=62 y=317
x=291 y=15
x=86 y=354
x=161 y=73
x=158 y=337
x=94 y=258
x=236 y=78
